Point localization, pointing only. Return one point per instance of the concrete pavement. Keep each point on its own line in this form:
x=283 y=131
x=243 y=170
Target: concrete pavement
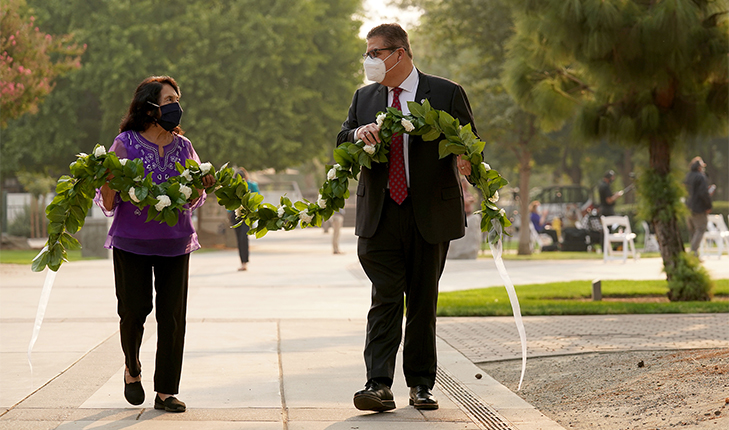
x=280 y=345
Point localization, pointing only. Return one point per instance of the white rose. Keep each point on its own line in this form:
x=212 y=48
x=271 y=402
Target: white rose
x=495 y=197
x=205 y=168
x=502 y=212
x=380 y=119
x=82 y=154
x=407 y=124
x=123 y=161
x=321 y=202
x=186 y=191
x=370 y=149
x=239 y=212
x=486 y=166
x=281 y=211
x=99 y=151
x=331 y=174
x=187 y=175
x=305 y=216
x=132 y=195
x=162 y=202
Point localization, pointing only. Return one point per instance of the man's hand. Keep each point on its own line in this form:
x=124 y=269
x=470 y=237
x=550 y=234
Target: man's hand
x=370 y=133
x=464 y=166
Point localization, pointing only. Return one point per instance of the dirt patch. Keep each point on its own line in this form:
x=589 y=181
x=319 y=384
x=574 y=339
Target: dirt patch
x=626 y=390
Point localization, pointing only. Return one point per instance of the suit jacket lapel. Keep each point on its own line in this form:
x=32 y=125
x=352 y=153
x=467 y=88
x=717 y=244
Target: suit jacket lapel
x=381 y=100
x=423 y=91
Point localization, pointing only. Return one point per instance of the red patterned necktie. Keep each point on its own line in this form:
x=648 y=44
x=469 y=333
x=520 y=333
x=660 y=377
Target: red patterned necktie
x=396 y=177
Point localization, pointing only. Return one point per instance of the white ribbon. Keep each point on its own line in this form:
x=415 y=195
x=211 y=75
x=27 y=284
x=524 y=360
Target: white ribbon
x=496 y=251
x=40 y=313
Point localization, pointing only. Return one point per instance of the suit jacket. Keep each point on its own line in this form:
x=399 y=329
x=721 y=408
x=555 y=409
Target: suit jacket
x=435 y=187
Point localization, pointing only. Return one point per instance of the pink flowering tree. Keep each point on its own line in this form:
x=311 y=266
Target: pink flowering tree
x=30 y=60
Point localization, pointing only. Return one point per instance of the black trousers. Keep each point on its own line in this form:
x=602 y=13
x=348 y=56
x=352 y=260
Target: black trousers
x=399 y=262
x=241 y=236
x=133 y=275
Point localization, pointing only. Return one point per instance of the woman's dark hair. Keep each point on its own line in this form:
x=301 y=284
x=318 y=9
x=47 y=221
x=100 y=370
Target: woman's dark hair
x=142 y=113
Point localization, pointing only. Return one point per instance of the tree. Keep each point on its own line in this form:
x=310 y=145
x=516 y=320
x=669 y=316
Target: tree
x=264 y=84
x=30 y=61
x=466 y=41
x=644 y=72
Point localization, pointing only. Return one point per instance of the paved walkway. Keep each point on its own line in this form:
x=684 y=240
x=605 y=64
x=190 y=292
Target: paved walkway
x=280 y=345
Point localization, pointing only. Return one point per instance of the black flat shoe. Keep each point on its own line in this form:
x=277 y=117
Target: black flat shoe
x=375 y=397
x=422 y=398
x=133 y=392
x=170 y=404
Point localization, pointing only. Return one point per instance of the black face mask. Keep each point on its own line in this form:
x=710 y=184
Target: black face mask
x=170 y=115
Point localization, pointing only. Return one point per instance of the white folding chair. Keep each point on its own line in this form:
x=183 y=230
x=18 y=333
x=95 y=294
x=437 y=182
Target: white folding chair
x=650 y=242
x=616 y=229
x=716 y=237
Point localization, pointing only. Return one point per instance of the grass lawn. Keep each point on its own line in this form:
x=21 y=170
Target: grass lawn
x=574 y=298
x=26 y=256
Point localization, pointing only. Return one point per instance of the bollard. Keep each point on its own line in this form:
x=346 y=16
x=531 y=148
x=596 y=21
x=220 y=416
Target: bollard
x=596 y=290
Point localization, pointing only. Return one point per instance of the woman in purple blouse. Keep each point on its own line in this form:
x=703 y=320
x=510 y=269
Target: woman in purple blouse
x=150 y=131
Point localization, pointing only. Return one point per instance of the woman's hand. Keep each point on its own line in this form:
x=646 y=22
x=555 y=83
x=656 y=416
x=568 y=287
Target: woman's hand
x=107 y=194
x=208 y=180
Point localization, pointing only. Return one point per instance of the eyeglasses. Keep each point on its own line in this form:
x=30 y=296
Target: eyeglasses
x=375 y=52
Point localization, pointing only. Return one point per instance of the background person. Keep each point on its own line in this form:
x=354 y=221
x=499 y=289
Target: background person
x=698 y=202
x=607 y=197
x=407 y=212
x=146 y=251
x=241 y=232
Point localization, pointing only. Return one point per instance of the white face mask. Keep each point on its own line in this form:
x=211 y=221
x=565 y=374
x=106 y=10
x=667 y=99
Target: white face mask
x=375 y=69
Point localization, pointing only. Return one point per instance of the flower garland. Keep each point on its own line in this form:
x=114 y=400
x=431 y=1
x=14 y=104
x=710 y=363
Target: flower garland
x=75 y=193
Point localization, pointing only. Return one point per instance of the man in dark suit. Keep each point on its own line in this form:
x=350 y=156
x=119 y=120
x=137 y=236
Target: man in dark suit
x=408 y=211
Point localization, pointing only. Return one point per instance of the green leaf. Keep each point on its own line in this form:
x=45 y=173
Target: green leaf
x=443 y=149
x=432 y=134
x=41 y=260
x=69 y=242
x=171 y=216
x=342 y=157
x=416 y=109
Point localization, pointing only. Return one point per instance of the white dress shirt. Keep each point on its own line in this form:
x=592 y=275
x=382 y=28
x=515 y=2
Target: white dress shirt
x=409 y=86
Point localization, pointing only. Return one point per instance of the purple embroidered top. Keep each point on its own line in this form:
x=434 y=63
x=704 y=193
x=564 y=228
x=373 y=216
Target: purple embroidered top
x=129 y=231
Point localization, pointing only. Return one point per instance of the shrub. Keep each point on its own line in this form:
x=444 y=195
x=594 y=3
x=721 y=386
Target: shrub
x=689 y=280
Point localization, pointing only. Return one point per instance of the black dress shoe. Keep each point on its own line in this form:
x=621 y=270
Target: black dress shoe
x=170 y=404
x=422 y=398
x=375 y=397
x=133 y=392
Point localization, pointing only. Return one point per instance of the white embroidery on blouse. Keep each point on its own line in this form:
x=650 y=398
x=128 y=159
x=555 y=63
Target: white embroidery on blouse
x=151 y=160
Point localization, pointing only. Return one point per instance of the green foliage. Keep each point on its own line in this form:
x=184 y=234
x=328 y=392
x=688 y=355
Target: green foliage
x=30 y=61
x=689 y=280
x=660 y=196
x=164 y=201
x=634 y=70
x=263 y=83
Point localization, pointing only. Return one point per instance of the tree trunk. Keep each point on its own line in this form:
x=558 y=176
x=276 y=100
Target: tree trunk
x=625 y=172
x=34 y=231
x=525 y=170
x=666 y=226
